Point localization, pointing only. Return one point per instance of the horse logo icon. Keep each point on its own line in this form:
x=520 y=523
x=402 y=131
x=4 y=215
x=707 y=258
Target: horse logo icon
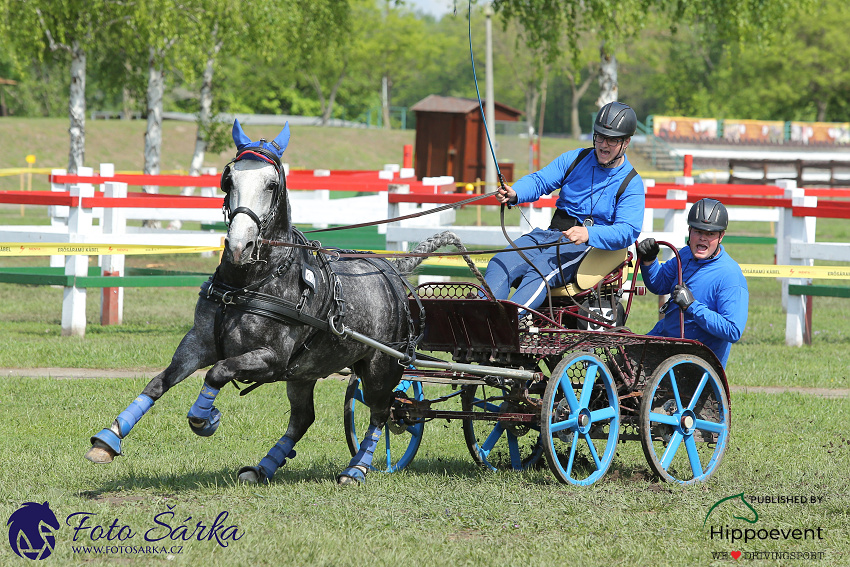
x=31 y=530
x=740 y=497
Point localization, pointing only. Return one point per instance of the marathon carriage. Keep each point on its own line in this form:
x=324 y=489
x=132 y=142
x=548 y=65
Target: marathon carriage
x=565 y=385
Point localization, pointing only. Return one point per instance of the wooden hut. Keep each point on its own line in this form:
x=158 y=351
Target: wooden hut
x=450 y=138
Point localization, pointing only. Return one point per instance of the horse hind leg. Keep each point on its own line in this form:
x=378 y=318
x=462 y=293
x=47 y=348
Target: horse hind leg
x=275 y=459
x=378 y=378
x=301 y=417
x=360 y=463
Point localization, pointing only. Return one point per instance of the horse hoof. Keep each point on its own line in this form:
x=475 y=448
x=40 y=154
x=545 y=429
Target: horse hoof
x=252 y=475
x=345 y=480
x=352 y=476
x=206 y=427
x=100 y=455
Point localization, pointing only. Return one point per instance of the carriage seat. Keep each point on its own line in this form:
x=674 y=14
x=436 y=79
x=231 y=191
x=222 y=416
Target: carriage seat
x=594 y=267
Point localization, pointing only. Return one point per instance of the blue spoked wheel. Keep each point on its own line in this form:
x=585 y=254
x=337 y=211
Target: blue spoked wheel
x=684 y=420
x=399 y=441
x=580 y=419
x=500 y=444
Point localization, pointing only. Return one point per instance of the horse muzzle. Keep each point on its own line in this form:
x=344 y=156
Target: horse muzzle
x=241 y=243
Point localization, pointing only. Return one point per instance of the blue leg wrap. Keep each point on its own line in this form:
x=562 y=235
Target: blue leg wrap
x=367 y=448
x=134 y=412
x=203 y=409
x=277 y=456
x=109 y=438
x=124 y=423
x=363 y=458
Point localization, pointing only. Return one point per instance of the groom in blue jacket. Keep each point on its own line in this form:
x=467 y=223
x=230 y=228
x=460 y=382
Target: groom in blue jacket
x=714 y=294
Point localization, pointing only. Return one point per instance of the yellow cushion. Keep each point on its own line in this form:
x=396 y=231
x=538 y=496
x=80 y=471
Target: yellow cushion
x=593 y=268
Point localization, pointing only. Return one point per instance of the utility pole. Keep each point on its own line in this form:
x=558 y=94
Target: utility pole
x=489 y=107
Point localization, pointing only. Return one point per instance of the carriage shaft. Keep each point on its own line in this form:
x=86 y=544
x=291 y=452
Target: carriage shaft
x=461 y=368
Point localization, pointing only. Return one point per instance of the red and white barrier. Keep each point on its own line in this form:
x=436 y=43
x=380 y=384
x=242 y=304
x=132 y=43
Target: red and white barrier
x=74 y=205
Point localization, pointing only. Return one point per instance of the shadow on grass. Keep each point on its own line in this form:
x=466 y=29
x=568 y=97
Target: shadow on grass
x=316 y=472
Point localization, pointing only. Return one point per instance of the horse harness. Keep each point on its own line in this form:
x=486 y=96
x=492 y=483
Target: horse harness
x=562 y=220
x=248 y=300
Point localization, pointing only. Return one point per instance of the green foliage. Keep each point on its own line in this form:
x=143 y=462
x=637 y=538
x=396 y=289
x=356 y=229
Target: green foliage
x=752 y=59
x=800 y=74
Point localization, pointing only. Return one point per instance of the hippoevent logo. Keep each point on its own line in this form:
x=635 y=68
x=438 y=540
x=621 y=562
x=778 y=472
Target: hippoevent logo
x=32 y=527
x=31 y=530
x=746 y=527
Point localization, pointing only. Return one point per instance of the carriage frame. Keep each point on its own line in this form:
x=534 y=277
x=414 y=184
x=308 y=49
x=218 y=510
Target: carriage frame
x=567 y=382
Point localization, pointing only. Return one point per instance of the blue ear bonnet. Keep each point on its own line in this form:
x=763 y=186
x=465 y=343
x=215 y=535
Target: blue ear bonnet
x=276 y=147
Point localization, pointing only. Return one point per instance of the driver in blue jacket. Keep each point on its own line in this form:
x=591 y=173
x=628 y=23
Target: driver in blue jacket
x=600 y=205
x=714 y=294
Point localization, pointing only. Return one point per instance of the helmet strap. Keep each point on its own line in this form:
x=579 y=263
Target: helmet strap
x=719 y=241
x=620 y=154
x=716 y=250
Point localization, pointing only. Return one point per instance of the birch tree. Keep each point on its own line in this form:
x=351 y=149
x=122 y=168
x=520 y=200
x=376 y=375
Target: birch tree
x=213 y=24
x=612 y=23
x=157 y=27
x=63 y=28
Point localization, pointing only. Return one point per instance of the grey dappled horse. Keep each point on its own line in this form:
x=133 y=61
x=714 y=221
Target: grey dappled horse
x=272 y=313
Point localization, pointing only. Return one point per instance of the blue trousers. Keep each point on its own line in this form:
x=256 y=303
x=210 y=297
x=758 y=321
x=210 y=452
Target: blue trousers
x=508 y=269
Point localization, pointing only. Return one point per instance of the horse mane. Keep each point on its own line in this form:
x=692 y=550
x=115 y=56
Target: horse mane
x=405 y=266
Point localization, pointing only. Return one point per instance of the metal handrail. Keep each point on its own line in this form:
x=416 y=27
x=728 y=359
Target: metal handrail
x=658 y=145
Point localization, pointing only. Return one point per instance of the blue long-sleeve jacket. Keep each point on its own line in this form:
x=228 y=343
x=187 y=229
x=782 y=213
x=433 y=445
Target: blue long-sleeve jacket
x=718 y=315
x=590 y=191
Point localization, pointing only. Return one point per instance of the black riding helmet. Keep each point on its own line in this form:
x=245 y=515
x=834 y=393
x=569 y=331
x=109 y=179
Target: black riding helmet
x=709 y=215
x=615 y=120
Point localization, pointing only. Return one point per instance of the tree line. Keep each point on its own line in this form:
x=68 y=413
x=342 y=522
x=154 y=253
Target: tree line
x=556 y=60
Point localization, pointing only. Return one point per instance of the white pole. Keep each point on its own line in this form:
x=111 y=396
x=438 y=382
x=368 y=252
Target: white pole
x=79 y=224
x=58 y=215
x=489 y=107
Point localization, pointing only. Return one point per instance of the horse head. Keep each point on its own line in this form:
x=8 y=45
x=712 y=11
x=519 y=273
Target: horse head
x=256 y=204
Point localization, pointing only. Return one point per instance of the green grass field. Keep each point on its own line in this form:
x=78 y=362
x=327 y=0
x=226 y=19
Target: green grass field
x=442 y=510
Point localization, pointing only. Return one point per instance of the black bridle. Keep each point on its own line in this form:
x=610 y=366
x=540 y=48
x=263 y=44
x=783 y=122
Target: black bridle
x=227 y=186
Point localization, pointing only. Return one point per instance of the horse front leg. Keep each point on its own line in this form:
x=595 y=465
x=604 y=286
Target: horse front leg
x=192 y=353
x=258 y=365
x=302 y=414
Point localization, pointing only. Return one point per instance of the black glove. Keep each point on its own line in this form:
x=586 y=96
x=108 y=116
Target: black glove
x=682 y=296
x=648 y=250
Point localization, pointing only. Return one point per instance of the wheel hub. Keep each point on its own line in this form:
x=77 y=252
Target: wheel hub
x=584 y=421
x=687 y=422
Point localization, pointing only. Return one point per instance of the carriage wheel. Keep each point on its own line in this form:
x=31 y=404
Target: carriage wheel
x=684 y=420
x=580 y=419
x=399 y=441
x=499 y=445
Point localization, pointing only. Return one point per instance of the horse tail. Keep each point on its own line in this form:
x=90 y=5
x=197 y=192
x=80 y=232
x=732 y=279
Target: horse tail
x=405 y=266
